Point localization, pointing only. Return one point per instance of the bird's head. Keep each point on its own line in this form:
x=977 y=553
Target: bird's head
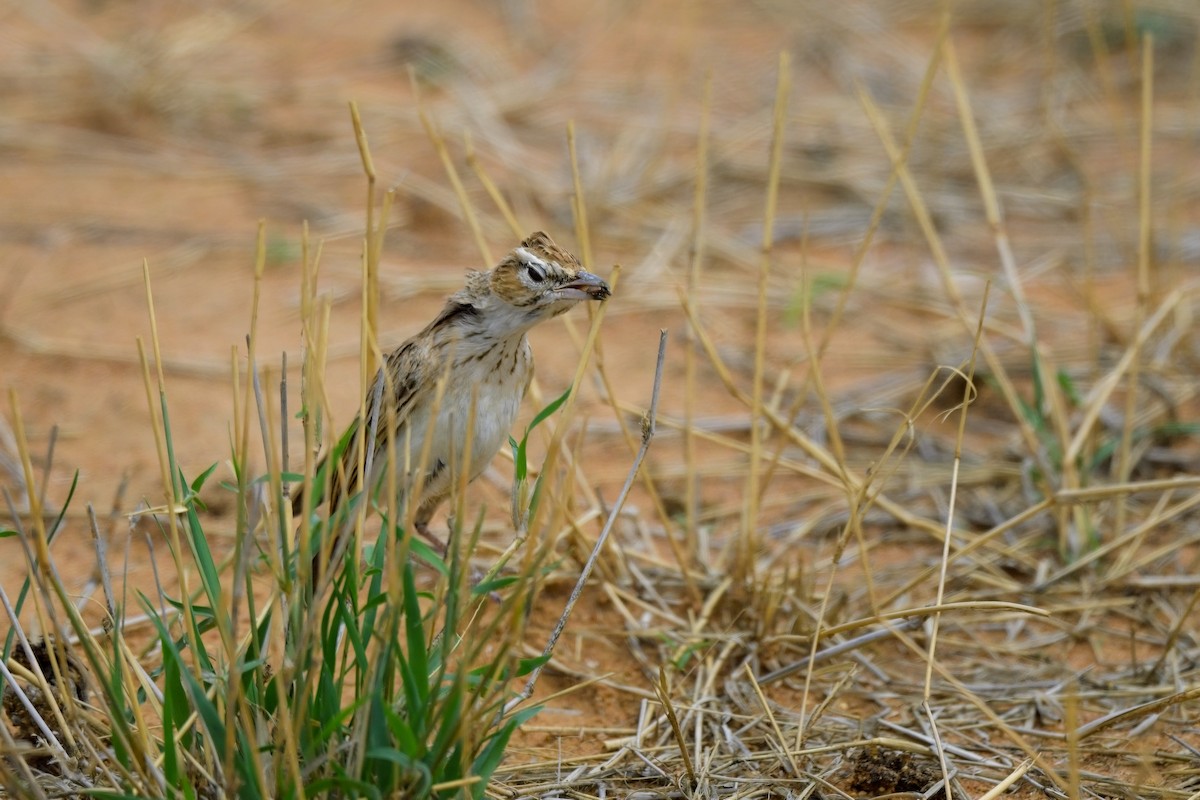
x=542 y=279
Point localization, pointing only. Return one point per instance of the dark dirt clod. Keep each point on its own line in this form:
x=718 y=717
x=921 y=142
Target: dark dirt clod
x=874 y=771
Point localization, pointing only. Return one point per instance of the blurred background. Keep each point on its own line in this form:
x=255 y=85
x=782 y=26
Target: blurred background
x=136 y=130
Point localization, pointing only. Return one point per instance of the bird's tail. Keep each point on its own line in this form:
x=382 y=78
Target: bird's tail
x=343 y=482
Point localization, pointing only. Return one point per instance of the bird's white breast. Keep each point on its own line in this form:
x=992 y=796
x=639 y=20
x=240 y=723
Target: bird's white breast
x=481 y=402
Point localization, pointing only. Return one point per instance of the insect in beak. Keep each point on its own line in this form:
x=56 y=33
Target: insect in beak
x=586 y=286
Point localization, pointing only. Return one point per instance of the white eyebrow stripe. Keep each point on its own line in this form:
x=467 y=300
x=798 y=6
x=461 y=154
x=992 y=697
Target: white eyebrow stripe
x=528 y=257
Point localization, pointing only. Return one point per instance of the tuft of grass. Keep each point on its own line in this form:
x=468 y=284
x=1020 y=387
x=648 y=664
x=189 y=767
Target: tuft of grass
x=353 y=694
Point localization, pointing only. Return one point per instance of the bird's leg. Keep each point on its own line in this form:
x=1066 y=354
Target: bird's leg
x=441 y=547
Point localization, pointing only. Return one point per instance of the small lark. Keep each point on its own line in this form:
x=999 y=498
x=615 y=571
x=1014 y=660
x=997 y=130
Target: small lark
x=479 y=343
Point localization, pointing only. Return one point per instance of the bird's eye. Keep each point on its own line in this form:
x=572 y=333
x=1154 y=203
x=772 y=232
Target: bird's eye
x=536 y=273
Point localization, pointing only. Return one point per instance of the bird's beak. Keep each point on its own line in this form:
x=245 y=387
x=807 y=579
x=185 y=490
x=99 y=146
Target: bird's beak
x=586 y=286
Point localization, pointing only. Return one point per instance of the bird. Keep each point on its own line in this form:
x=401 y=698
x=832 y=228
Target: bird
x=479 y=344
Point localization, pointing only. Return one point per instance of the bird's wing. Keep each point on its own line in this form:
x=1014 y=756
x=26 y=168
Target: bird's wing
x=407 y=380
x=412 y=371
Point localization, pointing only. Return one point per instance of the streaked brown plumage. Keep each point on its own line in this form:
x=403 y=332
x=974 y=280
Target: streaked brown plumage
x=479 y=343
